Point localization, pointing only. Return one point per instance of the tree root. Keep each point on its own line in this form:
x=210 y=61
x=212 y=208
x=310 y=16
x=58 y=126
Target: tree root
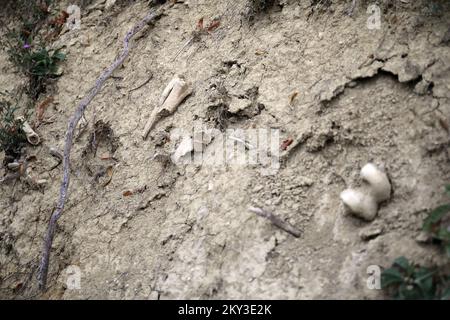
x=44 y=263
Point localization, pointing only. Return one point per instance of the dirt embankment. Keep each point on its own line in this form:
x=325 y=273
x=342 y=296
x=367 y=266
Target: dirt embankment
x=137 y=226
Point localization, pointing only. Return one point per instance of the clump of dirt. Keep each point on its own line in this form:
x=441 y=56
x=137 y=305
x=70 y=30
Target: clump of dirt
x=226 y=109
x=101 y=136
x=103 y=142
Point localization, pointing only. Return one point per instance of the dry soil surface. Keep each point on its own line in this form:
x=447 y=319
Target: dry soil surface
x=140 y=227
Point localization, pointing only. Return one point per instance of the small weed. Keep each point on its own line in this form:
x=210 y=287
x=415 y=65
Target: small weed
x=27 y=51
x=407 y=281
x=41 y=65
x=12 y=136
x=38 y=65
x=404 y=280
x=437 y=224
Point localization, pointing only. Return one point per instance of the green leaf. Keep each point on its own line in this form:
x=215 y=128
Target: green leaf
x=391 y=277
x=423 y=274
x=443 y=234
x=446 y=294
x=403 y=263
x=59 y=56
x=435 y=216
x=424 y=281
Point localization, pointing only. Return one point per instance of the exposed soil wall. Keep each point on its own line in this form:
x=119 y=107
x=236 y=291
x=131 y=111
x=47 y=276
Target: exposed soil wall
x=149 y=229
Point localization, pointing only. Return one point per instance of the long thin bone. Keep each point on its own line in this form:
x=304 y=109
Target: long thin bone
x=43 y=266
x=174 y=93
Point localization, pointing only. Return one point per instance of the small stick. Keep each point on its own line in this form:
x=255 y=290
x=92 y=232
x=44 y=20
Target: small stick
x=143 y=84
x=55 y=153
x=189 y=42
x=277 y=221
x=44 y=263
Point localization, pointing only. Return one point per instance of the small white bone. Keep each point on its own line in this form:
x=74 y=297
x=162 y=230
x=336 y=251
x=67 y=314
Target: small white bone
x=378 y=181
x=32 y=136
x=363 y=202
x=360 y=204
x=186 y=146
x=174 y=93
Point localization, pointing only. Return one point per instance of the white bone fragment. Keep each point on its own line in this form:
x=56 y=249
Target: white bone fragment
x=360 y=204
x=378 y=181
x=32 y=136
x=175 y=92
x=41 y=182
x=186 y=146
x=363 y=202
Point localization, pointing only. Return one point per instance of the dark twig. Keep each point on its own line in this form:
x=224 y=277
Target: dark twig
x=143 y=84
x=44 y=263
x=277 y=221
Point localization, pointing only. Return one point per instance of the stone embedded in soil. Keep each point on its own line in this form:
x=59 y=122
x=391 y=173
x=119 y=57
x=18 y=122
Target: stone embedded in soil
x=422 y=237
x=237 y=105
x=370 y=233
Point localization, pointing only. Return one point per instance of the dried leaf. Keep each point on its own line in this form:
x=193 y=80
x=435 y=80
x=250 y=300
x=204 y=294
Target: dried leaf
x=213 y=25
x=127 y=193
x=200 y=24
x=292 y=97
x=105 y=156
x=109 y=173
x=286 y=143
x=41 y=107
x=60 y=20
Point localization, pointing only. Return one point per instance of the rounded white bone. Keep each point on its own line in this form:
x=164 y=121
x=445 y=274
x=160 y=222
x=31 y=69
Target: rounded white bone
x=380 y=187
x=361 y=204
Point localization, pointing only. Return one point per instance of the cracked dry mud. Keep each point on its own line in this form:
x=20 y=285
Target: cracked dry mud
x=159 y=231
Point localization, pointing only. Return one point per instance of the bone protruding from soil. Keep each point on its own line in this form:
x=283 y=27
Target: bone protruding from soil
x=32 y=137
x=172 y=96
x=186 y=146
x=360 y=204
x=378 y=181
x=364 y=202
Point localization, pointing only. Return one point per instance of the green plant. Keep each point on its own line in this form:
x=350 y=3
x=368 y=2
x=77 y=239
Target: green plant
x=38 y=64
x=437 y=224
x=12 y=136
x=404 y=280
x=407 y=281
x=27 y=51
x=43 y=63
